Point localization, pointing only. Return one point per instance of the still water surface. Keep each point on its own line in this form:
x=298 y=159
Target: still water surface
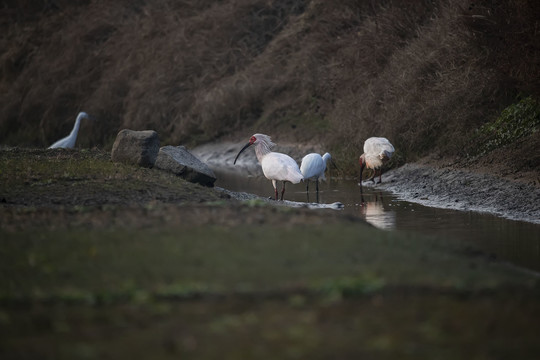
x=514 y=241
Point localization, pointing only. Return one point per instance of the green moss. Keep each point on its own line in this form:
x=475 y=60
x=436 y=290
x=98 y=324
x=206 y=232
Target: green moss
x=516 y=121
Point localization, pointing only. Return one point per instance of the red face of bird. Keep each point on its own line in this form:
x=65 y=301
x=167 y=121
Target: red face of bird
x=251 y=142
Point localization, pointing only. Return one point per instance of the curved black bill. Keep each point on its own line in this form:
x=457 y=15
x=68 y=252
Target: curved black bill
x=244 y=148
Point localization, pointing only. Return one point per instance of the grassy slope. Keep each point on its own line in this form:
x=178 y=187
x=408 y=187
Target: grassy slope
x=424 y=74
x=183 y=271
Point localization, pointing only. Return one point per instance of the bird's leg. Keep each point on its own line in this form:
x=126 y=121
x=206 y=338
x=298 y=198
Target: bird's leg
x=380 y=176
x=317 y=187
x=372 y=176
x=282 y=191
x=274 y=182
x=307 y=186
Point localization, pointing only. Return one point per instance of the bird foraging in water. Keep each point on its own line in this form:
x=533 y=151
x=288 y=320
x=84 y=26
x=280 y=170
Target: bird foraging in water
x=69 y=141
x=377 y=151
x=275 y=166
x=313 y=167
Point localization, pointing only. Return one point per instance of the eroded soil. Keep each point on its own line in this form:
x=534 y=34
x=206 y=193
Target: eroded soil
x=464 y=190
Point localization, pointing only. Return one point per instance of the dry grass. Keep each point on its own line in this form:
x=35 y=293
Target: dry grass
x=422 y=73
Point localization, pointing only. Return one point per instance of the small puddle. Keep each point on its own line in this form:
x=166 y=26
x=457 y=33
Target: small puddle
x=517 y=242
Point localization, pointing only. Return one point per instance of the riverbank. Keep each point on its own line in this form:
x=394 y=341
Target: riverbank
x=464 y=191
x=443 y=184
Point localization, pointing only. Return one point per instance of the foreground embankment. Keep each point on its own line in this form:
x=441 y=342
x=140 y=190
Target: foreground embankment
x=104 y=260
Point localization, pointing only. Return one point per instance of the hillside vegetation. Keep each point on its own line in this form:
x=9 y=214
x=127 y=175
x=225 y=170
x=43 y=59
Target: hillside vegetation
x=426 y=74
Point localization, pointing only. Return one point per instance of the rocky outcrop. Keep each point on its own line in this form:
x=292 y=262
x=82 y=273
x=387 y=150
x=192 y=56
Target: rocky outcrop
x=181 y=162
x=136 y=147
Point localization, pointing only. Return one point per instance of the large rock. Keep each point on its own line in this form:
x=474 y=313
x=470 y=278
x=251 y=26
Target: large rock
x=181 y=162
x=136 y=147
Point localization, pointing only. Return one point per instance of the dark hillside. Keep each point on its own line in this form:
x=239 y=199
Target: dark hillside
x=425 y=74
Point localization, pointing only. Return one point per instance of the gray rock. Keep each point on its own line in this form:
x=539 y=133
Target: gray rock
x=136 y=147
x=181 y=162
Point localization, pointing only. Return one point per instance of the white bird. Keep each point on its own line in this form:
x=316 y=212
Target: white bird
x=69 y=141
x=377 y=151
x=313 y=167
x=275 y=166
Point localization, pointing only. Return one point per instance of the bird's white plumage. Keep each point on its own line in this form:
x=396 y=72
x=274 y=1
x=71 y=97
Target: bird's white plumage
x=378 y=146
x=313 y=166
x=69 y=141
x=281 y=167
x=377 y=150
x=263 y=145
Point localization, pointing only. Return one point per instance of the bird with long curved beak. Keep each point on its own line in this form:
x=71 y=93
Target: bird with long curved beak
x=275 y=166
x=377 y=151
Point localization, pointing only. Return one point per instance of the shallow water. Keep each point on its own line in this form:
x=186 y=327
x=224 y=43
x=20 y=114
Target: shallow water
x=514 y=241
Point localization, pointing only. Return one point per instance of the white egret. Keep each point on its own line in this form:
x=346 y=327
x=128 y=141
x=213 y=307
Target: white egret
x=313 y=167
x=69 y=141
x=275 y=166
x=377 y=151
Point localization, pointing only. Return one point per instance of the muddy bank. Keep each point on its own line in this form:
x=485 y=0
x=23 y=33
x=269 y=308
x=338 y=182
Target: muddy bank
x=466 y=191
x=429 y=185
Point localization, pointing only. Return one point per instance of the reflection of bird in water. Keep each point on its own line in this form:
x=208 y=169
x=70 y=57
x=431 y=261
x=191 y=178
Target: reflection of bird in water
x=69 y=141
x=375 y=214
x=312 y=167
x=275 y=166
x=377 y=151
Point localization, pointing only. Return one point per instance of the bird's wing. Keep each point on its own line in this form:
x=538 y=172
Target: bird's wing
x=378 y=146
x=370 y=145
x=277 y=166
x=387 y=149
x=312 y=166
